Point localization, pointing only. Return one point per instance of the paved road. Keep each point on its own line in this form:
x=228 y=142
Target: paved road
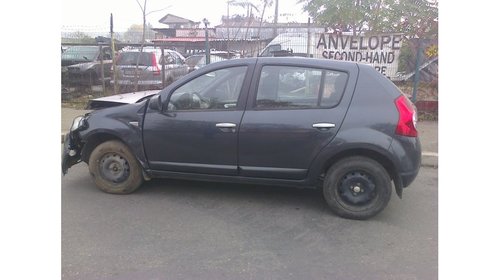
x=173 y=229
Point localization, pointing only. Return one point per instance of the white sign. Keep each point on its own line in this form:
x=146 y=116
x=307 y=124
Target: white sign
x=380 y=51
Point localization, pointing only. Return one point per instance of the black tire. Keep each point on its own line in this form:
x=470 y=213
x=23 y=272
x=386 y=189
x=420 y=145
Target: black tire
x=357 y=188
x=114 y=168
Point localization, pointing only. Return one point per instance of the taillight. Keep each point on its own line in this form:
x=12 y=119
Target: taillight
x=407 y=123
x=156 y=70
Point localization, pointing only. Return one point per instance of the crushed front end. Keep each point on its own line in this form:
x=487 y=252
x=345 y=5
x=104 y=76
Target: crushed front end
x=72 y=143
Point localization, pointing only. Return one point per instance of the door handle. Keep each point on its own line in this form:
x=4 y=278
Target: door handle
x=225 y=125
x=323 y=126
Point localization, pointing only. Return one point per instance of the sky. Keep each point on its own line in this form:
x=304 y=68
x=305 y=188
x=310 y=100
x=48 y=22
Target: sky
x=93 y=15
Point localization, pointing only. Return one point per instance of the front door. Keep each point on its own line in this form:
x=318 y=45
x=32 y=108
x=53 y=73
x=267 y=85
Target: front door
x=198 y=131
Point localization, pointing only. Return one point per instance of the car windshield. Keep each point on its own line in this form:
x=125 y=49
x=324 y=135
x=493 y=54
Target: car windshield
x=81 y=53
x=132 y=58
x=200 y=60
x=193 y=60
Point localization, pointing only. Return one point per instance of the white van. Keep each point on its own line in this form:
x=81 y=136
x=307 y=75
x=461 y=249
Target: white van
x=289 y=44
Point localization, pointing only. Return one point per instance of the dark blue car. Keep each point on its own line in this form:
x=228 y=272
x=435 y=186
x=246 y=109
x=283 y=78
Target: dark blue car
x=299 y=122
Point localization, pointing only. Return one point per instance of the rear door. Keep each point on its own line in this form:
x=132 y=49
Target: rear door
x=293 y=111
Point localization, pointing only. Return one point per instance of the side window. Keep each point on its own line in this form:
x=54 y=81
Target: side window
x=167 y=59
x=334 y=85
x=216 y=90
x=299 y=87
x=176 y=57
x=107 y=54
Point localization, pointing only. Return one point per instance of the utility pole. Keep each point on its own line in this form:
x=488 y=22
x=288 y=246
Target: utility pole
x=227 y=29
x=275 y=29
x=207 y=50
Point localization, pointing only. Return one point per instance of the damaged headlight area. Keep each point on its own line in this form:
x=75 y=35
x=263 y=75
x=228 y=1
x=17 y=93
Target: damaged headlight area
x=79 y=123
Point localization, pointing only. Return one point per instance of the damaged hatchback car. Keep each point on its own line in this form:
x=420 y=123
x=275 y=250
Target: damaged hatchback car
x=86 y=65
x=337 y=126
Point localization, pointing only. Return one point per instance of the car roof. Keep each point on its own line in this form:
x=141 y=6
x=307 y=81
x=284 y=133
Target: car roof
x=291 y=61
x=147 y=49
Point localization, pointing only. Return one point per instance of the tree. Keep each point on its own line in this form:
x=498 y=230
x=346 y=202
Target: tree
x=134 y=33
x=143 y=40
x=250 y=7
x=411 y=17
x=265 y=3
x=79 y=38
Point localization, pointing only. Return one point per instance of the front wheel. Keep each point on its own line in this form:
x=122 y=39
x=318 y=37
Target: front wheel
x=357 y=188
x=114 y=168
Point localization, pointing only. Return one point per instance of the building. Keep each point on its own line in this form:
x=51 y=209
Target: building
x=247 y=36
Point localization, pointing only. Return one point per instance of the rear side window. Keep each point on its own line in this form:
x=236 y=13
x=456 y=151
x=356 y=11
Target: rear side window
x=132 y=58
x=299 y=87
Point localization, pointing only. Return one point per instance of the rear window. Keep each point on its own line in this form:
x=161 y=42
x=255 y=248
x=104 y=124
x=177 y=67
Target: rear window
x=132 y=58
x=81 y=53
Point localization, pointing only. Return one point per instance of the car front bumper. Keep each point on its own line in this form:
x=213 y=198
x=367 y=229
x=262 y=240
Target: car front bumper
x=71 y=152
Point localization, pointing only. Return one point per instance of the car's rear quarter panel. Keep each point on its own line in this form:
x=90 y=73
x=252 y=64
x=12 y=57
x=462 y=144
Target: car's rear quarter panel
x=369 y=128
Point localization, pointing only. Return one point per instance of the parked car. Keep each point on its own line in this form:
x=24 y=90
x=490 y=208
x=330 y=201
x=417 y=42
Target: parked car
x=197 y=61
x=81 y=65
x=288 y=121
x=146 y=68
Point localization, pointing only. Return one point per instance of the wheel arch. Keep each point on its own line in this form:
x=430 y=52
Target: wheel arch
x=379 y=157
x=95 y=140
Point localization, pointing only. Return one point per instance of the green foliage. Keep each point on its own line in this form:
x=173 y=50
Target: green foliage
x=410 y=17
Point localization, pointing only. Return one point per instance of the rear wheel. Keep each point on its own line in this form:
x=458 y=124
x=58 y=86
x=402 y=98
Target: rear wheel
x=357 y=188
x=114 y=168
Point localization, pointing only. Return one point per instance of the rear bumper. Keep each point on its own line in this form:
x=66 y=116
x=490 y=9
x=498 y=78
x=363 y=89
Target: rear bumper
x=407 y=154
x=406 y=178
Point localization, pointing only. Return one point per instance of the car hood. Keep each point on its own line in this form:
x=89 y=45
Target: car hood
x=120 y=99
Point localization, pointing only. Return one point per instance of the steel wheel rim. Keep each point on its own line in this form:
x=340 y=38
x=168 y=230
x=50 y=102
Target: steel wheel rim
x=357 y=188
x=114 y=168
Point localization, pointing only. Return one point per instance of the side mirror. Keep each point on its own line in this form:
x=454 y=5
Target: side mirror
x=155 y=103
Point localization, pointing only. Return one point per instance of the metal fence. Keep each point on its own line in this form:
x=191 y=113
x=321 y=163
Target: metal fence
x=411 y=64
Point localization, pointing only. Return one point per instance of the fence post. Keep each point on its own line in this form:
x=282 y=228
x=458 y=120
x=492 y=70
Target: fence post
x=308 y=37
x=416 y=77
x=115 y=86
x=162 y=66
x=102 y=70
